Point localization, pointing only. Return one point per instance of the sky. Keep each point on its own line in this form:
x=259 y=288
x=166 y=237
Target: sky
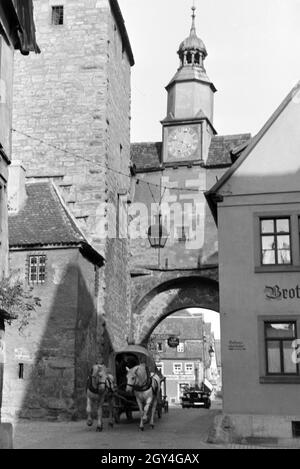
x=253 y=58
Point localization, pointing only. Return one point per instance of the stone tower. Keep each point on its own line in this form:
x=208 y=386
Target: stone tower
x=72 y=125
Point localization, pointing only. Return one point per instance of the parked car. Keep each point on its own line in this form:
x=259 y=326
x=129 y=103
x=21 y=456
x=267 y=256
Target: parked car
x=193 y=397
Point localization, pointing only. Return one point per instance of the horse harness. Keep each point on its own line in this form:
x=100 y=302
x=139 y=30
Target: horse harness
x=150 y=383
x=108 y=383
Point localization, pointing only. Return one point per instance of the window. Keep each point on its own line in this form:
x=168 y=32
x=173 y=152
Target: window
x=180 y=347
x=37 y=269
x=21 y=370
x=183 y=234
x=189 y=368
x=275 y=237
x=177 y=368
x=278 y=347
x=57 y=15
x=296 y=429
x=159 y=347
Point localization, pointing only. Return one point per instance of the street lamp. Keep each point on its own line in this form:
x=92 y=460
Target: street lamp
x=157 y=235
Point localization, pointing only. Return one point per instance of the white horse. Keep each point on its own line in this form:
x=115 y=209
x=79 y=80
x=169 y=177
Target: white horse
x=100 y=384
x=146 y=388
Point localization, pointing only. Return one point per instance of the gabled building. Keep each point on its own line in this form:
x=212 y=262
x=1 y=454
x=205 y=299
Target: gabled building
x=256 y=205
x=189 y=363
x=47 y=364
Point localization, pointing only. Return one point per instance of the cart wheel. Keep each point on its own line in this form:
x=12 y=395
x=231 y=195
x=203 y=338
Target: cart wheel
x=129 y=415
x=117 y=416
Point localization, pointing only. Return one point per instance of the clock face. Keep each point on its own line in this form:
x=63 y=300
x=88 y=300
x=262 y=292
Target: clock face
x=183 y=142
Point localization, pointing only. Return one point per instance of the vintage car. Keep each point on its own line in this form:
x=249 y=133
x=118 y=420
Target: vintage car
x=196 y=397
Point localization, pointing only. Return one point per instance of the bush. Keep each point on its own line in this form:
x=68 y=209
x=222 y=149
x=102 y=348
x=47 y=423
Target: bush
x=17 y=302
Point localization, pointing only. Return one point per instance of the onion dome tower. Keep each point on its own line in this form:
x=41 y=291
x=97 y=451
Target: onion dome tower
x=192 y=50
x=191 y=91
x=188 y=127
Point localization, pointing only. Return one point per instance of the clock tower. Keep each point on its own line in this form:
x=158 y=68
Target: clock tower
x=188 y=127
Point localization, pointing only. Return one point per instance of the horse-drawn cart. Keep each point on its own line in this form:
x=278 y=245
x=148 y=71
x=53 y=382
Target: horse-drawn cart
x=120 y=362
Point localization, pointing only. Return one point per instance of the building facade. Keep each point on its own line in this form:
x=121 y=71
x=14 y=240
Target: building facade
x=48 y=360
x=17 y=32
x=72 y=126
x=257 y=208
x=170 y=178
x=188 y=364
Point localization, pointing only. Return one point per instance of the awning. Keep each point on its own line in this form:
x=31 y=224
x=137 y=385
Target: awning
x=27 y=38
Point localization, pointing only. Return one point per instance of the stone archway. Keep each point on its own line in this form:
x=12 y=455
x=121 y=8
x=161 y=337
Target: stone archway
x=170 y=296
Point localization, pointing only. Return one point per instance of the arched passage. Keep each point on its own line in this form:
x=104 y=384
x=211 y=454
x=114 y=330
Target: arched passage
x=171 y=296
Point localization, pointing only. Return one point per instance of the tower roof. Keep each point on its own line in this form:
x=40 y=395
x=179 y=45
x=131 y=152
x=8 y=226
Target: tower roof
x=193 y=42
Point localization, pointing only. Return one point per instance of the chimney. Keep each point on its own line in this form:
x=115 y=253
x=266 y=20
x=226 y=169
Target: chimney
x=16 y=187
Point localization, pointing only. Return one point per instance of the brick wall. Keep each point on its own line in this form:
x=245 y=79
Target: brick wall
x=76 y=95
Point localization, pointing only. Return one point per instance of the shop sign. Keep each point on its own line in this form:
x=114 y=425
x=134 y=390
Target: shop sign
x=173 y=342
x=278 y=293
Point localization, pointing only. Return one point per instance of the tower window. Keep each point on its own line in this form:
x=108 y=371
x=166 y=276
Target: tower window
x=58 y=15
x=21 y=370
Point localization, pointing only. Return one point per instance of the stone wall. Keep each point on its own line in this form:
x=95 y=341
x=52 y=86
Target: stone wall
x=58 y=347
x=163 y=293
x=75 y=97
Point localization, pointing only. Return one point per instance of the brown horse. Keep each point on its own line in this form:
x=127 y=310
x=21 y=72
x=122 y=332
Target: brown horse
x=100 y=384
x=146 y=388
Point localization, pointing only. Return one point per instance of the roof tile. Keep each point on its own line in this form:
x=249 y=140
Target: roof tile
x=148 y=155
x=43 y=220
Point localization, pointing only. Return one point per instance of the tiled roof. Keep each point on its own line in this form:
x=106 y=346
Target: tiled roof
x=147 y=156
x=220 y=147
x=43 y=220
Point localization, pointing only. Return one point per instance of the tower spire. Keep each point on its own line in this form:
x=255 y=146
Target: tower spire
x=192 y=51
x=193 y=28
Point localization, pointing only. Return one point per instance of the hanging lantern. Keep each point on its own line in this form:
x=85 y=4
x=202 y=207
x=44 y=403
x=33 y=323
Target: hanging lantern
x=157 y=235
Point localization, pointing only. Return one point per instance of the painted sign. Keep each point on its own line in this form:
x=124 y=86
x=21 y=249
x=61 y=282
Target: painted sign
x=173 y=342
x=236 y=345
x=22 y=354
x=277 y=293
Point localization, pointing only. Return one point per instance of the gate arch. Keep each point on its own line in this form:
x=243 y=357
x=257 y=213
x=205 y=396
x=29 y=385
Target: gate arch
x=171 y=296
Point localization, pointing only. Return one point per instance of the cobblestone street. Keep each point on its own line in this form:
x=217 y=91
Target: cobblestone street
x=178 y=429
